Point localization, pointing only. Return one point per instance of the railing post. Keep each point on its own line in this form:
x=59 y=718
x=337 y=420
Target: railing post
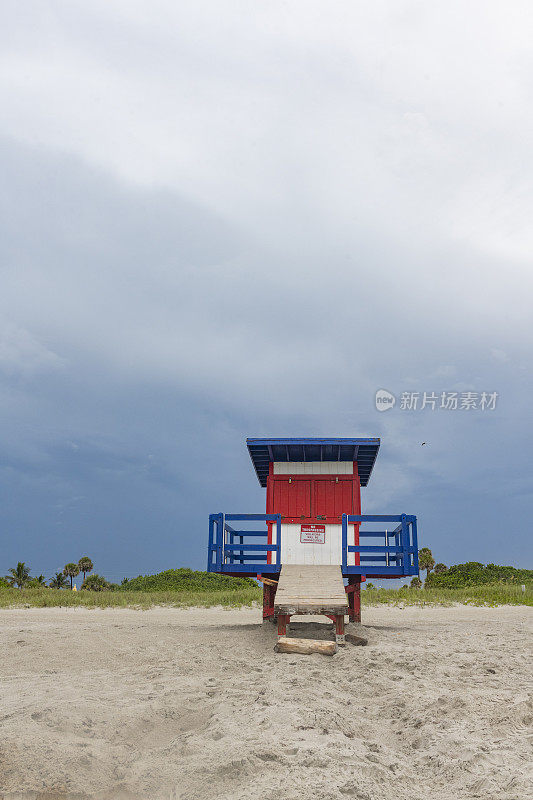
x=344 y=542
x=220 y=535
x=211 y=542
x=278 y=540
x=414 y=537
x=405 y=546
x=231 y=552
x=224 y=538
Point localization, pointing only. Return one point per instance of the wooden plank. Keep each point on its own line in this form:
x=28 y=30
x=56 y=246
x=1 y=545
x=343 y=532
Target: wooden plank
x=311 y=589
x=305 y=646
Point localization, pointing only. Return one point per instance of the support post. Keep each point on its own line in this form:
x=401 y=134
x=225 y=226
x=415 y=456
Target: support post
x=266 y=600
x=354 y=598
x=339 y=630
x=269 y=594
x=283 y=621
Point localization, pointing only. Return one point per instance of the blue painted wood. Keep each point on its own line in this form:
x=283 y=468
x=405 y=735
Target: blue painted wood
x=371 y=548
x=344 y=541
x=255 y=547
x=371 y=571
x=255 y=557
x=373 y=559
x=250 y=569
x=264 y=451
x=231 y=540
x=374 y=517
x=211 y=545
x=392 y=560
x=256 y=517
x=220 y=537
x=405 y=545
x=414 y=536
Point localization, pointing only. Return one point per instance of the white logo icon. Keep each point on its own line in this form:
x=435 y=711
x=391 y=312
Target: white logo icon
x=384 y=400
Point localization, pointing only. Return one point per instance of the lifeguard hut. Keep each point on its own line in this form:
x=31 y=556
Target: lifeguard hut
x=310 y=557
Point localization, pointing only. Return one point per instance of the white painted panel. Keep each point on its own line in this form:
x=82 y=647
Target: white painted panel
x=293 y=551
x=273 y=554
x=313 y=467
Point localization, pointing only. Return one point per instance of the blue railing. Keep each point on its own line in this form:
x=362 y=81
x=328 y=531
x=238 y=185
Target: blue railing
x=230 y=551
x=396 y=553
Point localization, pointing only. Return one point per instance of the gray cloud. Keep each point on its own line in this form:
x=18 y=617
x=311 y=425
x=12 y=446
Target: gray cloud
x=232 y=220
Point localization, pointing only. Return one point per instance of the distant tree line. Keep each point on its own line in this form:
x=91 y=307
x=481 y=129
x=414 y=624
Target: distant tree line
x=459 y=576
x=474 y=573
x=21 y=578
x=183 y=579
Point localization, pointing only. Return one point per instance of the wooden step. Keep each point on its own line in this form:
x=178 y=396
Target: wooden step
x=310 y=589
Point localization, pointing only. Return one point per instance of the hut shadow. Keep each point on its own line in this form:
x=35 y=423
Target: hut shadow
x=302 y=630
x=396 y=628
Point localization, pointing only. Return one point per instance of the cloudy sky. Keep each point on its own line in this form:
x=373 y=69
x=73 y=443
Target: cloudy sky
x=228 y=219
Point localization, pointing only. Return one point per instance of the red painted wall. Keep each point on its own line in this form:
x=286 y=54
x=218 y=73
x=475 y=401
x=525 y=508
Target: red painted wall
x=314 y=498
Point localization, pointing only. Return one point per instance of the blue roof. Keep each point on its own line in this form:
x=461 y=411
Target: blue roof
x=263 y=451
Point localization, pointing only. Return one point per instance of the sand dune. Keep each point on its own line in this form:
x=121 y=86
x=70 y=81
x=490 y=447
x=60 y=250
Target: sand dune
x=195 y=705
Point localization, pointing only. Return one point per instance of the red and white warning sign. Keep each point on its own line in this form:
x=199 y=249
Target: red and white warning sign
x=313 y=534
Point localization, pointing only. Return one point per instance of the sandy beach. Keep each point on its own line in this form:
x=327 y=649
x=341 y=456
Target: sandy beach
x=196 y=705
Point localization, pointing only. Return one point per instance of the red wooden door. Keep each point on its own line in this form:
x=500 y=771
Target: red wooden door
x=292 y=499
x=333 y=497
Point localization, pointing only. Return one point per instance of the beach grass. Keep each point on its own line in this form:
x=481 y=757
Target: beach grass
x=491 y=595
x=47 y=598
x=485 y=595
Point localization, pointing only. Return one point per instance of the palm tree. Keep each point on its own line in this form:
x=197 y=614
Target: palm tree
x=19 y=575
x=426 y=560
x=71 y=570
x=58 y=581
x=86 y=565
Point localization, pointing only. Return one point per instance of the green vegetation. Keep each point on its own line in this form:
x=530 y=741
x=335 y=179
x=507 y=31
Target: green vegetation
x=426 y=560
x=473 y=583
x=35 y=583
x=19 y=576
x=71 y=570
x=184 y=579
x=474 y=573
x=58 y=581
x=247 y=595
x=96 y=583
x=462 y=576
x=487 y=594
x=85 y=565
x=175 y=587
x=43 y=598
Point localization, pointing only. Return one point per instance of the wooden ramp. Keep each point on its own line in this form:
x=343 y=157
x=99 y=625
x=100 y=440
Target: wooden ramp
x=309 y=589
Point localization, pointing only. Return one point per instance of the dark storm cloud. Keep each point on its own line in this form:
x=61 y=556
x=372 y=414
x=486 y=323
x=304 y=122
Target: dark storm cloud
x=203 y=242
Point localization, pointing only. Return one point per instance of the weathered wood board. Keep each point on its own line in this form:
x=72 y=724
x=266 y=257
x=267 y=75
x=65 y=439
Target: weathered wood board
x=305 y=646
x=310 y=589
